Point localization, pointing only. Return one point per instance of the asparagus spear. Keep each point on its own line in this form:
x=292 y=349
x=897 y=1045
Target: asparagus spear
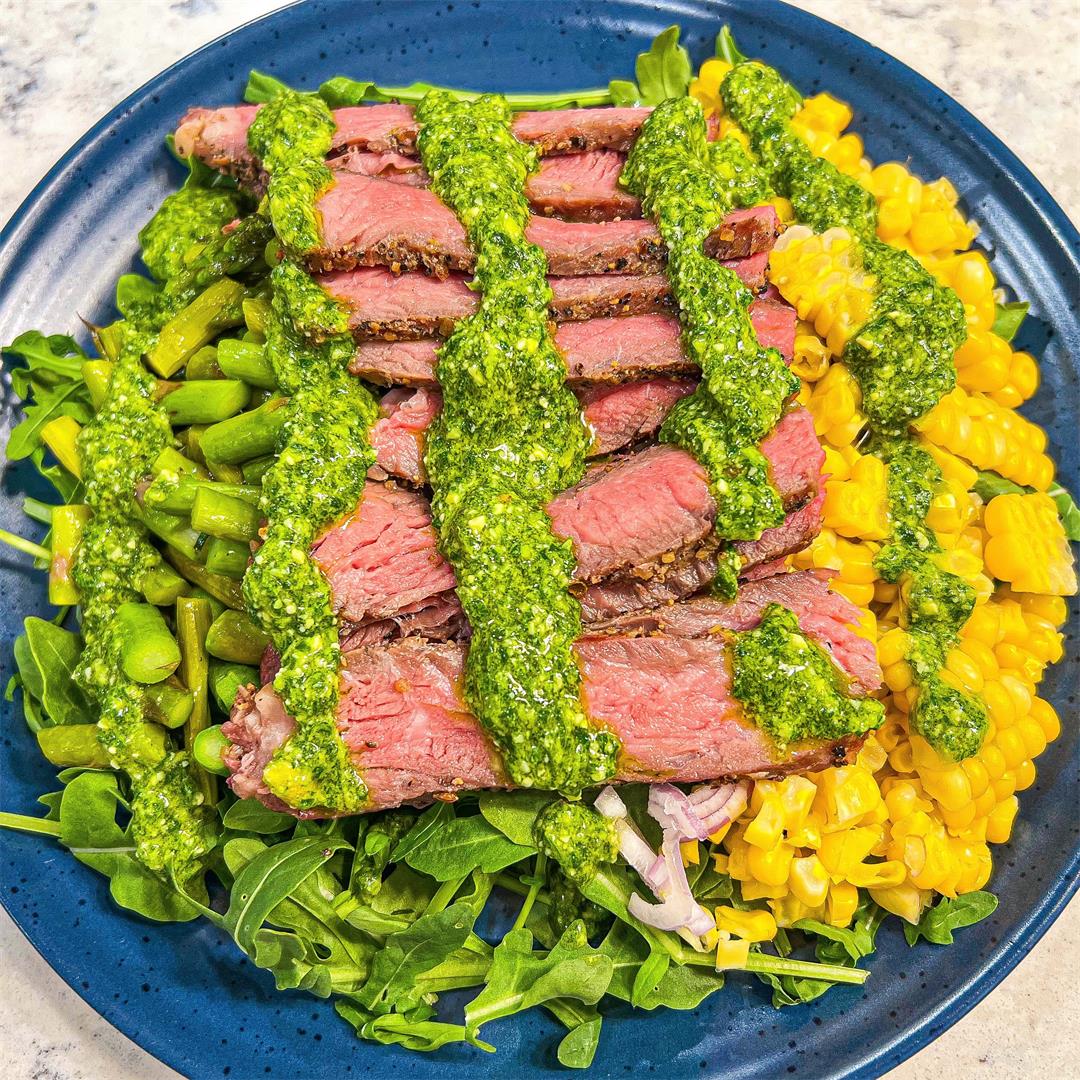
x=227 y=678
x=209 y=749
x=222 y=515
x=223 y=589
x=96 y=374
x=68 y=523
x=215 y=309
x=256 y=313
x=247 y=361
x=250 y=435
x=192 y=623
x=77 y=745
x=253 y=471
x=162 y=585
x=204 y=364
x=227 y=557
x=204 y=401
x=148 y=651
x=171 y=460
x=59 y=436
x=179 y=497
x=168 y=703
x=234 y=636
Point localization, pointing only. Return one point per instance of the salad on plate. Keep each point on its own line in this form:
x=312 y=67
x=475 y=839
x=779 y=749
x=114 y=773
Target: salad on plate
x=562 y=548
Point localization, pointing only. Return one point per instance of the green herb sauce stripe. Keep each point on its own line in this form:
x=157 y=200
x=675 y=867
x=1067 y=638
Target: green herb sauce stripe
x=687 y=185
x=902 y=358
x=509 y=435
x=319 y=475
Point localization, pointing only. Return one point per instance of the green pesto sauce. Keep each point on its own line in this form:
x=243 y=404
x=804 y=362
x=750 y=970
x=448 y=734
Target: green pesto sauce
x=902 y=356
x=578 y=838
x=790 y=688
x=688 y=186
x=937 y=603
x=318 y=477
x=186 y=220
x=509 y=436
x=172 y=829
x=291 y=135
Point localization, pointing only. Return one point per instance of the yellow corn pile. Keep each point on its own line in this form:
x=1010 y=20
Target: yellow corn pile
x=903 y=823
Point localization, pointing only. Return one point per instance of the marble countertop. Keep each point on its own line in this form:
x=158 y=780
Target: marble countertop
x=995 y=56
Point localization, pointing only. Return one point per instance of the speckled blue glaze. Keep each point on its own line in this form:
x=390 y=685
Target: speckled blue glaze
x=184 y=992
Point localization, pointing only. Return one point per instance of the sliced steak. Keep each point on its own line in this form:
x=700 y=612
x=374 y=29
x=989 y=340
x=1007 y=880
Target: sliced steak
x=582 y=187
x=219 y=136
x=825 y=615
x=600 y=350
x=665 y=694
x=622 y=413
x=618 y=415
x=366 y=222
x=632 y=516
x=383 y=559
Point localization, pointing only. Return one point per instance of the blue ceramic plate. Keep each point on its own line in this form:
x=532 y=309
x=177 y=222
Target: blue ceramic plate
x=184 y=992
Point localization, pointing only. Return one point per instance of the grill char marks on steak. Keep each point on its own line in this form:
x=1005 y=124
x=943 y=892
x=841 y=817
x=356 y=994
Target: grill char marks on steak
x=645 y=517
x=601 y=350
x=617 y=414
x=407 y=307
x=366 y=222
x=662 y=684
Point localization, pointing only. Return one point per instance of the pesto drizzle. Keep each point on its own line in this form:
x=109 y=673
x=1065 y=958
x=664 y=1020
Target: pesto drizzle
x=509 y=436
x=172 y=827
x=319 y=475
x=902 y=358
x=688 y=187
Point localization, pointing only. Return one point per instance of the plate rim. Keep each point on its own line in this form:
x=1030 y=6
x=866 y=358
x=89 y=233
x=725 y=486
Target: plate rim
x=1006 y=956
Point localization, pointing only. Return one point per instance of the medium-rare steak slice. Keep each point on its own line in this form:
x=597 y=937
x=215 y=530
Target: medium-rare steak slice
x=600 y=350
x=366 y=222
x=666 y=695
x=634 y=515
x=219 y=136
x=677 y=575
x=582 y=187
x=617 y=414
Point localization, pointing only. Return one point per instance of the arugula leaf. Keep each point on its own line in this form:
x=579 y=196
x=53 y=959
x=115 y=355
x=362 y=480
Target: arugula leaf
x=855 y=941
x=514 y=813
x=373 y=847
x=726 y=48
x=89 y=830
x=425 y=827
x=413 y=1034
x=682 y=986
x=461 y=845
x=1067 y=510
x=262 y=88
x=1008 y=318
x=520 y=978
x=662 y=72
x=312 y=948
x=409 y=954
x=46 y=656
x=249 y=815
x=938 y=923
x=268 y=879
x=578 y=1047
x=988 y=485
x=50 y=385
